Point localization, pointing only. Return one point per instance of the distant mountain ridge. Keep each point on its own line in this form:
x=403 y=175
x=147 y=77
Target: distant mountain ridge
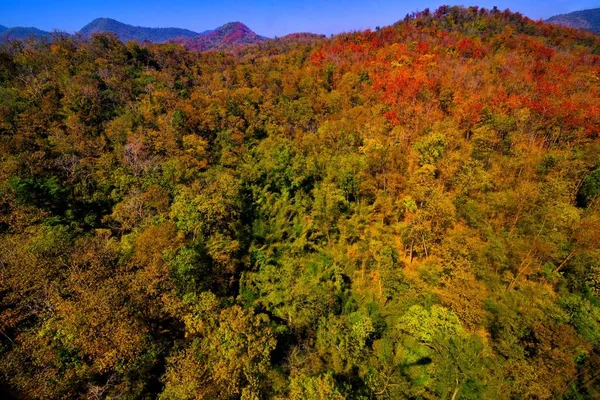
x=127 y=32
x=584 y=19
x=20 y=33
x=230 y=34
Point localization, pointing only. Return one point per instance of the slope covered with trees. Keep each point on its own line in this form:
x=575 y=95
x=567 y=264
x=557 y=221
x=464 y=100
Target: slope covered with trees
x=407 y=213
x=584 y=19
x=226 y=36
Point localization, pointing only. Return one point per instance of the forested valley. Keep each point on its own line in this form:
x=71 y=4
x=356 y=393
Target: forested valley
x=411 y=212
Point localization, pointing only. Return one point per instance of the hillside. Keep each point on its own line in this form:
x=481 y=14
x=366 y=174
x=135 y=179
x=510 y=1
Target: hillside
x=228 y=35
x=302 y=37
x=406 y=213
x=129 y=32
x=585 y=19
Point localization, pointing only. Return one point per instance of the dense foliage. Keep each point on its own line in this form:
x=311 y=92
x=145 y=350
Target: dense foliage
x=407 y=213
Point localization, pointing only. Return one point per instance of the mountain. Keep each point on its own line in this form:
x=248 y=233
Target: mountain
x=20 y=33
x=230 y=34
x=585 y=19
x=127 y=32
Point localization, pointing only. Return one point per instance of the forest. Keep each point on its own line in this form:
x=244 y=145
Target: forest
x=411 y=212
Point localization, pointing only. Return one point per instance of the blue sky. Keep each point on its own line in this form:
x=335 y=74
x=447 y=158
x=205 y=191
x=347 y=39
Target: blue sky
x=266 y=17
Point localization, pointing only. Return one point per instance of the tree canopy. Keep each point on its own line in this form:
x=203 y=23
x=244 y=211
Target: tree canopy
x=406 y=213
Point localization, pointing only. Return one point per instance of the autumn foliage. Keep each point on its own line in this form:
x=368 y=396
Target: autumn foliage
x=411 y=212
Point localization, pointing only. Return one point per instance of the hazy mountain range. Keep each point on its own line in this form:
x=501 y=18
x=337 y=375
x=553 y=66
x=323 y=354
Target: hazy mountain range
x=585 y=19
x=230 y=34
x=20 y=33
x=127 y=32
